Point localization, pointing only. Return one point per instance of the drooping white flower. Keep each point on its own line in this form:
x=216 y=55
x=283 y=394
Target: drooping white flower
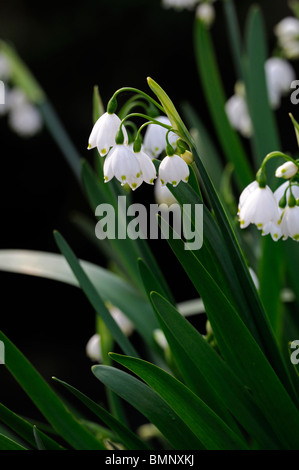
x=287 y=28
x=25 y=120
x=154 y=141
x=238 y=114
x=104 y=132
x=290 y=223
x=148 y=169
x=163 y=195
x=287 y=32
x=93 y=346
x=286 y=171
x=173 y=170
x=257 y=206
x=122 y=320
x=123 y=164
x=206 y=12
x=279 y=76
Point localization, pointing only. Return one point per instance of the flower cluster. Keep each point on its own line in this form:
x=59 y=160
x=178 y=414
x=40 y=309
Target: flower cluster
x=279 y=75
x=23 y=117
x=131 y=163
x=275 y=213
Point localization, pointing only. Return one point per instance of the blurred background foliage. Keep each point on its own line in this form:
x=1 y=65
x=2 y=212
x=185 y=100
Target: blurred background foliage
x=70 y=47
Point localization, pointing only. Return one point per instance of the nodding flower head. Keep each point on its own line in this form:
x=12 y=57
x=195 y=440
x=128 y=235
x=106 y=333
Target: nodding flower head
x=104 y=132
x=173 y=169
x=257 y=206
x=123 y=164
x=155 y=137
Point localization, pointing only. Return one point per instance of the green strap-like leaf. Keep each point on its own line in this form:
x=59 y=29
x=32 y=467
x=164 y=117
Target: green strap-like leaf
x=46 y=400
x=25 y=429
x=241 y=351
x=210 y=367
x=8 y=444
x=93 y=296
x=145 y=400
x=199 y=418
x=129 y=439
x=110 y=287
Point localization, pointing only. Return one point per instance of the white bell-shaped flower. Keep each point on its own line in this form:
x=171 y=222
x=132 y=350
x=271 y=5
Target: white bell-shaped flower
x=286 y=171
x=287 y=32
x=206 y=13
x=290 y=223
x=288 y=28
x=279 y=76
x=258 y=206
x=25 y=120
x=173 y=169
x=104 y=132
x=148 y=169
x=123 y=164
x=122 y=320
x=154 y=141
x=93 y=348
x=238 y=115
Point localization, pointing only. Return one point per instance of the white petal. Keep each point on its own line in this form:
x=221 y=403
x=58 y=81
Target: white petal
x=104 y=132
x=163 y=195
x=148 y=169
x=93 y=348
x=238 y=115
x=155 y=137
x=173 y=170
x=108 y=168
x=126 y=167
x=273 y=229
x=287 y=28
x=259 y=208
x=290 y=223
x=279 y=76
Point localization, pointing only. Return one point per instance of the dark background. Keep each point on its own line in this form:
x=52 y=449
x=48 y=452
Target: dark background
x=70 y=47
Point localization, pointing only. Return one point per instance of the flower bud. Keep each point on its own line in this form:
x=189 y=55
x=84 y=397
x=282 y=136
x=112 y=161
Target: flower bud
x=286 y=171
x=187 y=156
